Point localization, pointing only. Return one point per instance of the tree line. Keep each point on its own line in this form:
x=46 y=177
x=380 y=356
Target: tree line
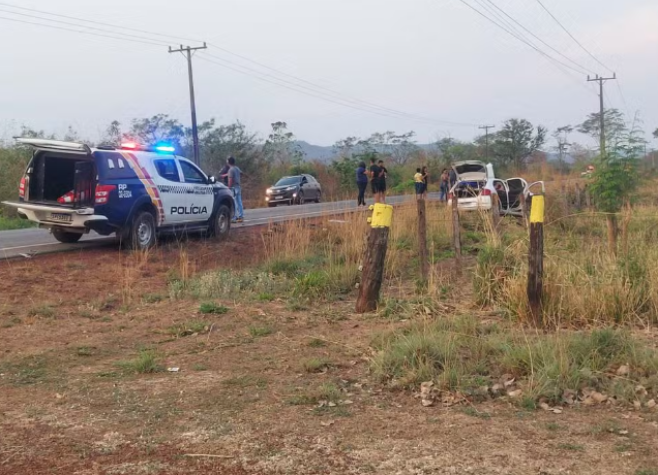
x=512 y=147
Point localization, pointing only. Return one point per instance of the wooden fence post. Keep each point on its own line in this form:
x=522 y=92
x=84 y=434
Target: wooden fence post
x=495 y=211
x=422 y=240
x=375 y=257
x=456 y=238
x=579 y=197
x=536 y=259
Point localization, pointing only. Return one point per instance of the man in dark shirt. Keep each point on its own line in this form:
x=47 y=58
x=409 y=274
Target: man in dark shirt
x=375 y=172
x=383 y=174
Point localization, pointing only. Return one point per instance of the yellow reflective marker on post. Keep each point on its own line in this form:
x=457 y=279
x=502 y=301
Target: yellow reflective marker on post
x=537 y=209
x=382 y=216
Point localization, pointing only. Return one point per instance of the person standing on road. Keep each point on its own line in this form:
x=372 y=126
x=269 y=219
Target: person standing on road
x=234 y=180
x=426 y=178
x=361 y=183
x=444 y=186
x=374 y=173
x=223 y=173
x=452 y=176
x=383 y=175
x=418 y=183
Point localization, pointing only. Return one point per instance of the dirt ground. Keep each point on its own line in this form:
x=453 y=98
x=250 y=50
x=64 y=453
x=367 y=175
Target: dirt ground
x=238 y=404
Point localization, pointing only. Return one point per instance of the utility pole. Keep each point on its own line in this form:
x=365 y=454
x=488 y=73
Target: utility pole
x=601 y=80
x=486 y=139
x=187 y=51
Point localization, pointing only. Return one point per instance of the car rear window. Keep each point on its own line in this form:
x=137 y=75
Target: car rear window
x=112 y=166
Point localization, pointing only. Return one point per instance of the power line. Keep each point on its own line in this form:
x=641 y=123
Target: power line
x=519 y=37
x=572 y=36
x=582 y=68
x=82 y=26
x=79 y=31
x=313 y=93
x=318 y=89
x=335 y=93
x=113 y=25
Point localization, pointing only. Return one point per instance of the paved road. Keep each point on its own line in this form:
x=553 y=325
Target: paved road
x=21 y=241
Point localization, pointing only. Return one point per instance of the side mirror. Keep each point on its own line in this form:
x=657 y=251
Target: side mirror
x=212 y=180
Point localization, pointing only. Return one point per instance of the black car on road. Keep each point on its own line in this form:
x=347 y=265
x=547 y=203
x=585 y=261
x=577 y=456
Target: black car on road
x=294 y=189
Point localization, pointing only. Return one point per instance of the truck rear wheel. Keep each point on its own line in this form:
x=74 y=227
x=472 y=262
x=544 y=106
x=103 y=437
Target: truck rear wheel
x=65 y=236
x=141 y=235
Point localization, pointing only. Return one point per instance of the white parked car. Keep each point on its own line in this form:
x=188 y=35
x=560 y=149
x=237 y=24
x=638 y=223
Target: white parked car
x=476 y=184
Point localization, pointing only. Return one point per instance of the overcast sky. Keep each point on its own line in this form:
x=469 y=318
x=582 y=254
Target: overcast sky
x=430 y=59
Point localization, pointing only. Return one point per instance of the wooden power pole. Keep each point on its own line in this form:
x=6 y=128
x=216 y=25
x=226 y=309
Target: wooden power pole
x=187 y=52
x=486 y=139
x=601 y=80
x=372 y=274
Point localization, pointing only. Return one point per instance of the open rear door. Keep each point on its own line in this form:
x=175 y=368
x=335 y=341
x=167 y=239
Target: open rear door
x=517 y=190
x=56 y=145
x=60 y=173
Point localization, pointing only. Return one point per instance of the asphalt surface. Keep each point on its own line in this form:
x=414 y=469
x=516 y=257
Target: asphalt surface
x=38 y=241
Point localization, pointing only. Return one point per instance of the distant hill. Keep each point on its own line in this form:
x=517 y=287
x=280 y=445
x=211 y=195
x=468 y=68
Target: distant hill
x=316 y=152
x=326 y=153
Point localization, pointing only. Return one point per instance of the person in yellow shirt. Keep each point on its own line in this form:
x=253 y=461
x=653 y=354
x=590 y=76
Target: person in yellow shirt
x=418 y=183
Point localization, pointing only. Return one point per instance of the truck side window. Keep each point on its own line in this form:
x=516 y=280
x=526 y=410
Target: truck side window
x=191 y=174
x=167 y=169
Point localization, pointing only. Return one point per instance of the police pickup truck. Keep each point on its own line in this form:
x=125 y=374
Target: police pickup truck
x=136 y=192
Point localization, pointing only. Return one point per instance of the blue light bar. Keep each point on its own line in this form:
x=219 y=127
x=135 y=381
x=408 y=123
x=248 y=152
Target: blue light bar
x=165 y=148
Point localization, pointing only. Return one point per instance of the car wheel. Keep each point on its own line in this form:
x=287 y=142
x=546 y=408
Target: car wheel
x=221 y=223
x=142 y=232
x=271 y=205
x=300 y=199
x=66 y=237
x=319 y=198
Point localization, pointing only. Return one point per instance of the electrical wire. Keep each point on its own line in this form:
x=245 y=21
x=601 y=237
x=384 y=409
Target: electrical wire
x=337 y=94
x=127 y=35
x=313 y=93
x=315 y=88
x=79 y=31
x=556 y=62
x=320 y=90
x=572 y=36
x=578 y=65
x=113 y=25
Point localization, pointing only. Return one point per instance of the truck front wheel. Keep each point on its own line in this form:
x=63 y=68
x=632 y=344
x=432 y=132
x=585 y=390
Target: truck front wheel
x=66 y=237
x=220 y=224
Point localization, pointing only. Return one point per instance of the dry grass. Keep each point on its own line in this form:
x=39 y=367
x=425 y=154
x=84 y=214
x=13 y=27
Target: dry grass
x=584 y=283
x=464 y=354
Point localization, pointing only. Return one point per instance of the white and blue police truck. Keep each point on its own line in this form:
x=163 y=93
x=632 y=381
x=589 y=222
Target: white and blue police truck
x=134 y=191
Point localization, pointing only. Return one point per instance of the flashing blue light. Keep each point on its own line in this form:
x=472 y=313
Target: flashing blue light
x=165 y=148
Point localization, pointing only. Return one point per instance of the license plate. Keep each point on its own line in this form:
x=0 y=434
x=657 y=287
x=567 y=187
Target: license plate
x=278 y=197
x=63 y=217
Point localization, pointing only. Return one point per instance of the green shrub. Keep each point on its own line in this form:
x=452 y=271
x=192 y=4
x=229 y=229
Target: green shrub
x=212 y=308
x=145 y=362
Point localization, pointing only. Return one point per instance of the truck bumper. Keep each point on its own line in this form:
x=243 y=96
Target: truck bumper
x=80 y=220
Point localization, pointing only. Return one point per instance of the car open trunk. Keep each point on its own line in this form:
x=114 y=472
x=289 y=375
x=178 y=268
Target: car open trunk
x=61 y=178
x=471 y=170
